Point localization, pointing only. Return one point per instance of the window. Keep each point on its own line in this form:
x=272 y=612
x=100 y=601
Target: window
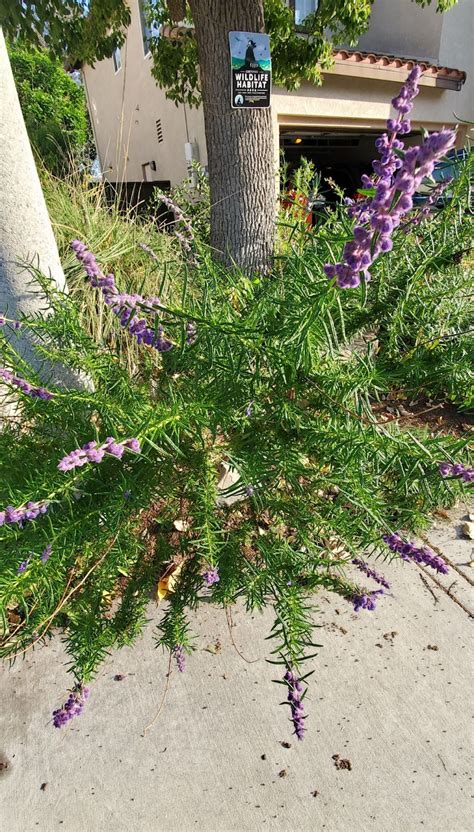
x=149 y=30
x=117 y=59
x=303 y=8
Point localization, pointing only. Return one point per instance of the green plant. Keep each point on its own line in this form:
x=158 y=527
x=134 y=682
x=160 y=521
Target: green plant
x=142 y=258
x=54 y=108
x=112 y=491
x=420 y=301
x=194 y=201
x=258 y=384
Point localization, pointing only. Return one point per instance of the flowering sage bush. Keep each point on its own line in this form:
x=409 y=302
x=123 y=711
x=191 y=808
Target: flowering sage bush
x=112 y=494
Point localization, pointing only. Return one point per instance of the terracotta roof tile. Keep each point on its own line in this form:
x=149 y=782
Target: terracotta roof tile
x=398 y=62
x=442 y=76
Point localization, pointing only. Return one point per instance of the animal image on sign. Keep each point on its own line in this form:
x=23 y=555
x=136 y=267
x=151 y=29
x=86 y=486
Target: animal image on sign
x=251 y=69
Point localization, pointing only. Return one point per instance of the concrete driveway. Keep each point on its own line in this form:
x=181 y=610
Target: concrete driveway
x=390 y=697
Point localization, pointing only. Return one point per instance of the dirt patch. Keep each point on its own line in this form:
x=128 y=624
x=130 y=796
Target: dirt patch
x=435 y=415
x=341 y=763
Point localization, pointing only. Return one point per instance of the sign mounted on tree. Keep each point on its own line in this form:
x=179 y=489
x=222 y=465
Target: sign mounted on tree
x=251 y=68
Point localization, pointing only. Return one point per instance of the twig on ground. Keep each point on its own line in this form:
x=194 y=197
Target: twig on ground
x=230 y=624
x=163 y=698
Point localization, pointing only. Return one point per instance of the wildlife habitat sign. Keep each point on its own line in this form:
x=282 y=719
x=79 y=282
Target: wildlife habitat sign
x=251 y=69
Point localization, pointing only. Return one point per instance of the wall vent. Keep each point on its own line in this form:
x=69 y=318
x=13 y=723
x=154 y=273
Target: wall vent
x=159 y=130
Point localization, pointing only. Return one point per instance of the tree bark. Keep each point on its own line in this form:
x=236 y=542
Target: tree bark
x=26 y=234
x=239 y=142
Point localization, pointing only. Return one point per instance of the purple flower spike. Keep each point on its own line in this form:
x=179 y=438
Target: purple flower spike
x=371 y=573
x=123 y=305
x=410 y=551
x=23 y=566
x=462 y=472
x=18 y=515
x=179 y=654
x=46 y=553
x=366 y=600
x=294 y=697
x=92 y=452
x=186 y=236
x=396 y=178
x=72 y=707
x=191 y=333
x=25 y=387
x=211 y=577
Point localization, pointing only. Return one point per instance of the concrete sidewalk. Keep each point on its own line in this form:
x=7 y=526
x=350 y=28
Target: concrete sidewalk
x=390 y=694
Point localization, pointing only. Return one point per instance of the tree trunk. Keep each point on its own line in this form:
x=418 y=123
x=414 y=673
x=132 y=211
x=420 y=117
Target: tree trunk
x=239 y=142
x=26 y=234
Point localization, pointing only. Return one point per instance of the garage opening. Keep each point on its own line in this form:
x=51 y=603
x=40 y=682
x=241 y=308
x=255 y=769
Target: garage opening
x=340 y=156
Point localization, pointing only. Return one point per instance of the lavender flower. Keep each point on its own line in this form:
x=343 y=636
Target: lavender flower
x=123 y=305
x=249 y=410
x=150 y=251
x=447 y=469
x=18 y=515
x=410 y=551
x=72 y=707
x=23 y=566
x=294 y=697
x=46 y=553
x=366 y=600
x=179 y=654
x=191 y=333
x=92 y=452
x=425 y=211
x=25 y=387
x=179 y=218
x=250 y=490
x=396 y=180
x=371 y=573
x=15 y=324
x=211 y=577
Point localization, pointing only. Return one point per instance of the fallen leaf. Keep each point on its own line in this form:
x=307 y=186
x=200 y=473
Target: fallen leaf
x=168 y=581
x=181 y=525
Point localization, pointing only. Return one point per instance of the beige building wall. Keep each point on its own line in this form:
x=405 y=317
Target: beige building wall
x=401 y=27
x=126 y=105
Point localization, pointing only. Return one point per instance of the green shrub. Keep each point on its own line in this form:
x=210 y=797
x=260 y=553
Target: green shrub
x=111 y=492
x=263 y=389
x=54 y=108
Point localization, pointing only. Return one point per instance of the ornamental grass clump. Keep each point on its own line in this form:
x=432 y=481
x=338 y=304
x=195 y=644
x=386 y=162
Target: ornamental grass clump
x=255 y=382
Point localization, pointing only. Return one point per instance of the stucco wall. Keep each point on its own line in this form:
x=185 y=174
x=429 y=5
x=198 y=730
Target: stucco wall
x=457 y=49
x=401 y=27
x=125 y=107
